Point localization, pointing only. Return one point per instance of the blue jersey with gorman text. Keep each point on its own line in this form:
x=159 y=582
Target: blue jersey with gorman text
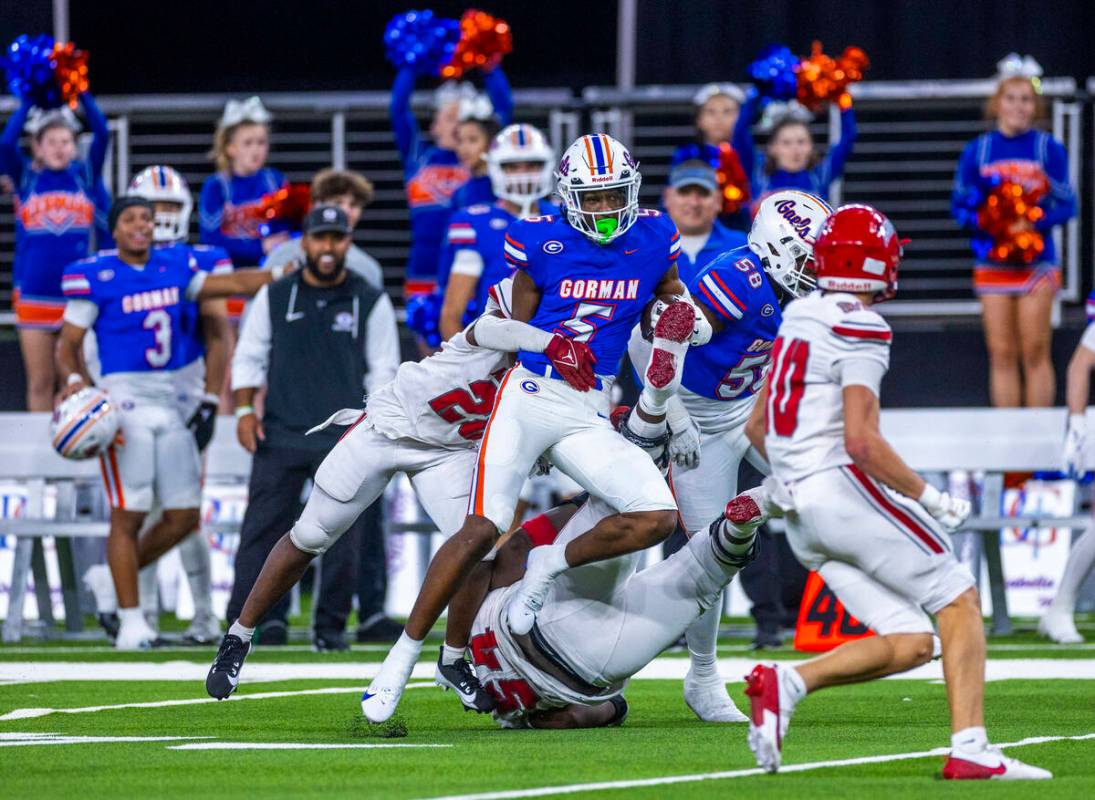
x=732 y=365
x=590 y=292
x=145 y=321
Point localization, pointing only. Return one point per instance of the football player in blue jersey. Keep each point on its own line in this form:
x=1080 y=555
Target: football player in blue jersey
x=142 y=303
x=519 y=164
x=583 y=279
x=740 y=293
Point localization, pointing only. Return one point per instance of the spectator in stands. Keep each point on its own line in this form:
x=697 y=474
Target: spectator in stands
x=322 y=309
x=474 y=135
x=52 y=180
x=791 y=159
x=717 y=108
x=432 y=172
x=351 y=192
x=230 y=198
x=693 y=202
x=1016 y=298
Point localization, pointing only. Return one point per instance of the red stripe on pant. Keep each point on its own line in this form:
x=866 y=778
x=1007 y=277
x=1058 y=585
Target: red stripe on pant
x=899 y=514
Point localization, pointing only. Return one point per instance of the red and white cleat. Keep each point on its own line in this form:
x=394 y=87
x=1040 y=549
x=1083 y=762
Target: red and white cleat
x=770 y=714
x=746 y=510
x=671 y=335
x=991 y=764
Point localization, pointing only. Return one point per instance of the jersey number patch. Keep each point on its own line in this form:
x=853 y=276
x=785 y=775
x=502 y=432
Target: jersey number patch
x=746 y=376
x=470 y=407
x=159 y=322
x=510 y=695
x=582 y=325
x=788 y=385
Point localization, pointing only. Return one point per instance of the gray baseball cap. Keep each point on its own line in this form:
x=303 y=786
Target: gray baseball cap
x=693 y=173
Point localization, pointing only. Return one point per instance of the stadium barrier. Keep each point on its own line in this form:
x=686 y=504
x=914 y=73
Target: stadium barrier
x=934 y=442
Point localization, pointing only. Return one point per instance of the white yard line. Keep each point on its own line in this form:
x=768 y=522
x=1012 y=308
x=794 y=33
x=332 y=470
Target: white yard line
x=40 y=739
x=545 y=791
x=732 y=669
x=293 y=746
x=31 y=713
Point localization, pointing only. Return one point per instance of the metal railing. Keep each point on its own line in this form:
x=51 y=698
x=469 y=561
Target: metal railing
x=910 y=137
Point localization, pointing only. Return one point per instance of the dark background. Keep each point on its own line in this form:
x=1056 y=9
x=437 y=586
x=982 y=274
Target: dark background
x=226 y=46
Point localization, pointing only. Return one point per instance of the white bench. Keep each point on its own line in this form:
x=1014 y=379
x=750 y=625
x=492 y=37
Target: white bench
x=993 y=441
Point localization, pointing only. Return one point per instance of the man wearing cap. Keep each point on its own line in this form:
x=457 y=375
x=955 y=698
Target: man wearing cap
x=693 y=201
x=318 y=340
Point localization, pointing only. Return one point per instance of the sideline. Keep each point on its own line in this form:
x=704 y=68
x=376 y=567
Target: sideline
x=546 y=791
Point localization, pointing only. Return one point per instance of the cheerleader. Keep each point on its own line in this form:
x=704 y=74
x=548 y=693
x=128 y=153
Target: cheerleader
x=1016 y=298
x=474 y=134
x=60 y=201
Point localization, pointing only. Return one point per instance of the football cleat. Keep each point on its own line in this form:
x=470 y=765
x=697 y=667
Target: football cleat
x=770 y=714
x=744 y=512
x=619 y=705
x=991 y=764
x=531 y=593
x=329 y=642
x=671 y=335
x=203 y=629
x=710 y=701
x=1059 y=627
x=135 y=635
x=224 y=675
x=110 y=624
x=461 y=678
x=380 y=700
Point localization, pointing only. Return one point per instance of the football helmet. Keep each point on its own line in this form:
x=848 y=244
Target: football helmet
x=520 y=144
x=84 y=425
x=858 y=250
x=595 y=163
x=783 y=234
x=165 y=185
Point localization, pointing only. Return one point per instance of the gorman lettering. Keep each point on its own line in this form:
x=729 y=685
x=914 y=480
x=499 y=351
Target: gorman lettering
x=600 y=289
x=146 y=301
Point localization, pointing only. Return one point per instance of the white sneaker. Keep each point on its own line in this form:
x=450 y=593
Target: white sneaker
x=531 y=592
x=991 y=764
x=135 y=635
x=710 y=701
x=771 y=709
x=100 y=583
x=380 y=700
x=203 y=629
x=1059 y=627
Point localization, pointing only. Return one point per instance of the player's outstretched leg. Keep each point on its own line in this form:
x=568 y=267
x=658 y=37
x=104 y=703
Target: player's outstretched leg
x=773 y=692
x=1057 y=623
x=704 y=689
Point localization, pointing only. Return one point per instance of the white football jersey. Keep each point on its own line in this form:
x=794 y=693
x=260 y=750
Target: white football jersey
x=820 y=336
x=443 y=400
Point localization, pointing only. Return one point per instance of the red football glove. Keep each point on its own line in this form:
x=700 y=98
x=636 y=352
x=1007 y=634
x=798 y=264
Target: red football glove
x=573 y=360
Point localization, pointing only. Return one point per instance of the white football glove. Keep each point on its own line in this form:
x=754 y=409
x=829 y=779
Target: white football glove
x=948 y=511
x=1075 y=438
x=684 y=443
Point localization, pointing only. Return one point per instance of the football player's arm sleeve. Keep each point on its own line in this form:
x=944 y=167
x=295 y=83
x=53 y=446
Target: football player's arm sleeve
x=861 y=372
x=508 y=335
x=742 y=138
x=1078 y=381
x=12 y=160
x=381 y=344
x=500 y=93
x=404 y=125
x=100 y=135
x=252 y=355
x=1060 y=205
x=81 y=312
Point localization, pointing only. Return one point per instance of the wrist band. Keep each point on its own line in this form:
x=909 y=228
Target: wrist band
x=211 y=397
x=243 y=411
x=74 y=377
x=277 y=272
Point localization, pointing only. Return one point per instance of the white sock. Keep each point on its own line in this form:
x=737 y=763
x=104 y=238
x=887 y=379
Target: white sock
x=655 y=402
x=734 y=538
x=969 y=740
x=242 y=631
x=702 y=638
x=1080 y=561
x=554 y=558
x=793 y=684
x=451 y=655
x=131 y=616
x=406 y=648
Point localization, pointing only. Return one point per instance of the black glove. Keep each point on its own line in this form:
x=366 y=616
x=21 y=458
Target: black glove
x=202 y=422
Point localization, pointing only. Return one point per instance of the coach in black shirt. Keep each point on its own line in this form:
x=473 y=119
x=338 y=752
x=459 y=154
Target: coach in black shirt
x=318 y=339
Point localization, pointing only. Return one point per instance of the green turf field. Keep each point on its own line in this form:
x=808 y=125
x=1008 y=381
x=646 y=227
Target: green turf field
x=46 y=751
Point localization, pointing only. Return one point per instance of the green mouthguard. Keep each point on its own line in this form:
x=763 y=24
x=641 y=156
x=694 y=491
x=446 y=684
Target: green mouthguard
x=606 y=227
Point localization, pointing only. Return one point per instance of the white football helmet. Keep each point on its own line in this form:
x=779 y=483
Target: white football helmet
x=783 y=234
x=165 y=185
x=520 y=144
x=84 y=425
x=594 y=163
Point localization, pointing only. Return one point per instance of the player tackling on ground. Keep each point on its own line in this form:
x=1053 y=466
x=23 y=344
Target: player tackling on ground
x=856 y=513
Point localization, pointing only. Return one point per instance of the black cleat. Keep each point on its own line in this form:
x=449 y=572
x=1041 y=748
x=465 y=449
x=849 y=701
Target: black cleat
x=381 y=629
x=460 y=677
x=224 y=675
x=110 y=623
x=619 y=704
x=329 y=642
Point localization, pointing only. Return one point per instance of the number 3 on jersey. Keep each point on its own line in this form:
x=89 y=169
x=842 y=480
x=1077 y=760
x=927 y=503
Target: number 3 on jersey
x=159 y=322
x=788 y=384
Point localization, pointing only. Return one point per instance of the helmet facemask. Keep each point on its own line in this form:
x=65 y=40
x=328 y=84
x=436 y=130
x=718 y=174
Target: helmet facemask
x=522 y=187
x=790 y=264
x=602 y=225
x=170 y=221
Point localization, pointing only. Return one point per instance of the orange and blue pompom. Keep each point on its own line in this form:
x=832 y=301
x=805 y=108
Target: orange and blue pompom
x=484 y=39
x=823 y=79
x=424 y=317
x=421 y=41
x=1009 y=215
x=30 y=69
x=773 y=73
